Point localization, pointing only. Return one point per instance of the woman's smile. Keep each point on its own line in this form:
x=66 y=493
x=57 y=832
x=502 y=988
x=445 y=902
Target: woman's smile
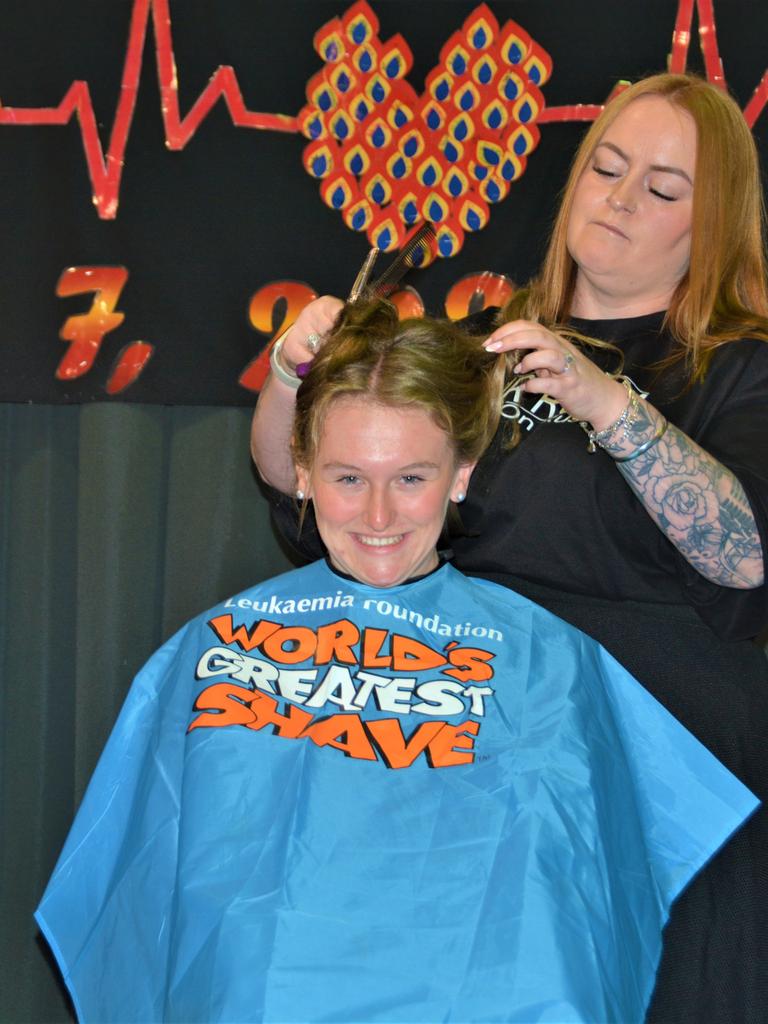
x=379 y=542
x=381 y=481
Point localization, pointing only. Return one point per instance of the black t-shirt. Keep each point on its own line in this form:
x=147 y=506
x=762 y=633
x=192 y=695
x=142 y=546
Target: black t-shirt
x=551 y=512
x=556 y=515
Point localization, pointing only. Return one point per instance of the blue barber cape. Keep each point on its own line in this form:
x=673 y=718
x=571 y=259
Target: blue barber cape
x=324 y=801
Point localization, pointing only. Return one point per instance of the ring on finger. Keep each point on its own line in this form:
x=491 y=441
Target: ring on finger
x=568 y=361
x=313 y=342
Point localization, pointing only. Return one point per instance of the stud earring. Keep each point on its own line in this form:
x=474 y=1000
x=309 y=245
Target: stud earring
x=460 y=497
x=299 y=495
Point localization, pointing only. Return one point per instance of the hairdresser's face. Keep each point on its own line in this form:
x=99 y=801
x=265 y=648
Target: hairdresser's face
x=630 y=225
x=381 y=482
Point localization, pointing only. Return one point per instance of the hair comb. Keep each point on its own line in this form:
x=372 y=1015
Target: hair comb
x=413 y=254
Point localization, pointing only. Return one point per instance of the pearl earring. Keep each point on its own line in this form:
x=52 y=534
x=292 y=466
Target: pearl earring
x=460 y=497
x=299 y=495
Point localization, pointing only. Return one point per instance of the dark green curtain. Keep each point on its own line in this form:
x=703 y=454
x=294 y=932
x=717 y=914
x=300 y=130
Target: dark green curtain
x=117 y=524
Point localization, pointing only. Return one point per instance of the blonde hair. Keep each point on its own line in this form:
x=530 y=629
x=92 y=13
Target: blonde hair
x=723 y=296
x=426 y=364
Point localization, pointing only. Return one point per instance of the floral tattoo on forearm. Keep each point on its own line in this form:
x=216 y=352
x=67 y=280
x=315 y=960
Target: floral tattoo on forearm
x=697 y=503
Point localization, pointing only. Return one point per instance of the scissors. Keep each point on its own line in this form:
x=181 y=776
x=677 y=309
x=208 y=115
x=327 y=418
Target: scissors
x=420 y=242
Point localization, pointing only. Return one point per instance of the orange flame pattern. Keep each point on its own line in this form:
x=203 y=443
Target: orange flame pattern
x=388 y=159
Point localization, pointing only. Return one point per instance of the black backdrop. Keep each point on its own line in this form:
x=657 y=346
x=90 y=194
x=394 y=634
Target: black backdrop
x=200 y=229
x=122 y=517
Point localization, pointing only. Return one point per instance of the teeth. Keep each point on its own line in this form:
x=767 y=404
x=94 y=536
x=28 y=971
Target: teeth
x=379 y=542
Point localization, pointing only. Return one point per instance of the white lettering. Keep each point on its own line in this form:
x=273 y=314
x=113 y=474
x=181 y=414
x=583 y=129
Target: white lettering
x=337 y=687
x=295 y=684
x=476 y=694
x=397 y=696
x=252 y=671
x=437 y=699
x=369 y=680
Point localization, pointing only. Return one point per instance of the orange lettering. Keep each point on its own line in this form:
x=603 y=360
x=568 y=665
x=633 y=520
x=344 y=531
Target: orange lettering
x=387 y=734
x=474 y=292
x=345 y=733
x=471 y=664
x=231 y=704
x=245 y=639
x=409 y=655
x=335 y=642
x=373 y=641
x=407 y=302
x=290 y=725
x=85 y=331
x=274 y=307
x=302 y=637
x=442 y=752
x=444 y=745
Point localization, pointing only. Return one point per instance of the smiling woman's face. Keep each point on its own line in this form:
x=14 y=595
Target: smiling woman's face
x=381 y=481
x=629 y=229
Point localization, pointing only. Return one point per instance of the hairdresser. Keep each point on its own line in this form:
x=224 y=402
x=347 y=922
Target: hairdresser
x=633 y=500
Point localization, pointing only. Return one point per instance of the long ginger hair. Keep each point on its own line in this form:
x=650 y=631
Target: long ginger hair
x=722 y=297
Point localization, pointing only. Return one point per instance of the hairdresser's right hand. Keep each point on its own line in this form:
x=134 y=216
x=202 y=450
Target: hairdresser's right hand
x=317 y=318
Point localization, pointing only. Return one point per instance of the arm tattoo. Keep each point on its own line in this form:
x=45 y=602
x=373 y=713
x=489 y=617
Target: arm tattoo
x=694 y=500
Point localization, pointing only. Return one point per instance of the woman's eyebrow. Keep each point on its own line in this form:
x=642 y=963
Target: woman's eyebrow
x=336 y=466
x=654 y=167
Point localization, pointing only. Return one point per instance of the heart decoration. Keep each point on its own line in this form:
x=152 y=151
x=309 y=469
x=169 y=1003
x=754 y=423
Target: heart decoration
x=387 y=159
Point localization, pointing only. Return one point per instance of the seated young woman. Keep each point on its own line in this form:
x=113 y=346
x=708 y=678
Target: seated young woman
x=373 y=789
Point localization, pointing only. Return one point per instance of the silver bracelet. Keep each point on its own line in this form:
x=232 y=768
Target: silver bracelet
x=599 y=437
x=660 y=432
x=277 y=368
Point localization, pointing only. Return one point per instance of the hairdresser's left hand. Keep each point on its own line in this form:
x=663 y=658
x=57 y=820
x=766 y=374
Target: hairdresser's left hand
x=561 y=371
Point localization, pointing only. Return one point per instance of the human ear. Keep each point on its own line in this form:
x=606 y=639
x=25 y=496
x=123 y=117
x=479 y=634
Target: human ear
x=461 y=481
x=302 y=482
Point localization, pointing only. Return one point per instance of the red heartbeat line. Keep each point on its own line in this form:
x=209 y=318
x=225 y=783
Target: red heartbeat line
x=106 y=171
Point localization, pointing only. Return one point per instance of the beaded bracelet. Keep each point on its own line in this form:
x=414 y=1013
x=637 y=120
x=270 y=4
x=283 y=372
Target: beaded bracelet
x=286 y=376
x=599 y=437
x=660 y=432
